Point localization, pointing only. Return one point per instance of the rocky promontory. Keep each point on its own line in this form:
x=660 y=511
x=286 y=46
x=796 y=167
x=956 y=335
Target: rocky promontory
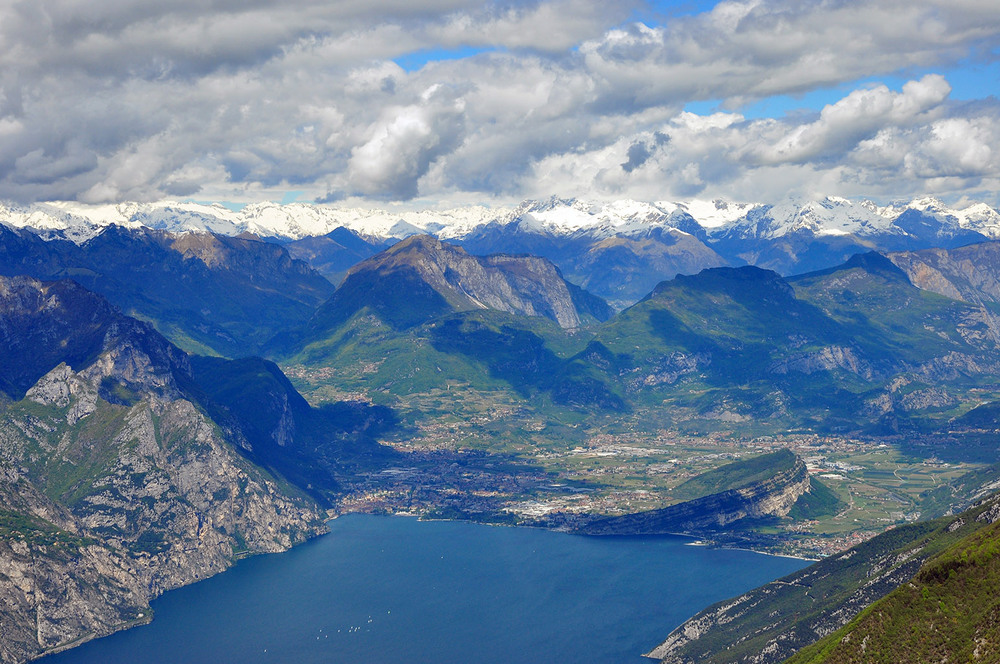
x=772 y=495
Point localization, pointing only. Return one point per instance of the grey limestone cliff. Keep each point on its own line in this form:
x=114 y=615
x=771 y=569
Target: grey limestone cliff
x=525 y=285
x=970 y=273
x=771 y=496
x=115 y=485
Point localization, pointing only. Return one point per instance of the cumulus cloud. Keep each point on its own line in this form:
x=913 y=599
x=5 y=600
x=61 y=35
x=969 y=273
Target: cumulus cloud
x=404 y=143
x=146 y=99
x=874 y=142
x=743 y=51
x=858 y=116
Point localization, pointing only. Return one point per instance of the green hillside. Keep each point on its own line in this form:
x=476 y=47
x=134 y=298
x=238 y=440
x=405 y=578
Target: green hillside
x=882 y=313
x=772 y=622
x=736 y=475
x=948 y=612
x=840 y=349
x=485 y=351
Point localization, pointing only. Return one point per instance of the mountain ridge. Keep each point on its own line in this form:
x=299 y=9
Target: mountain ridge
x=617 y=249
x=116 y=485
x=827 y=216
x=769 y=624
x=212 y=294
x=445 y=278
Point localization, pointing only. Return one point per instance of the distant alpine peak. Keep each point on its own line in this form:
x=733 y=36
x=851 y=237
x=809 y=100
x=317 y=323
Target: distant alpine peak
x=827 y=216
x=712 y=214
x=558 y=216
x=553 y=216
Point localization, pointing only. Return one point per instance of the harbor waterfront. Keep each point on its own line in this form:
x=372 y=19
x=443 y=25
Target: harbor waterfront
x=390 y=589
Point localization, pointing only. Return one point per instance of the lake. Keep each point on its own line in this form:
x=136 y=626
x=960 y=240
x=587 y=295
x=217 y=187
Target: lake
x=395 y=589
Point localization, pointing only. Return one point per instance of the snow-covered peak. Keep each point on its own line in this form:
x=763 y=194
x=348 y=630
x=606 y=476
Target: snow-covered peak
x=827 y=216
x=622 y=217
x=977 y=217
x=713 y=214
x=980 y=217
x=55 y=220
x=927 y=204
x=557 y=215
x=79 y=222
x=839 y=216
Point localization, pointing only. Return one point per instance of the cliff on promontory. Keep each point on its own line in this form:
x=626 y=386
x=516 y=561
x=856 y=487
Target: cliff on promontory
x=768 y=485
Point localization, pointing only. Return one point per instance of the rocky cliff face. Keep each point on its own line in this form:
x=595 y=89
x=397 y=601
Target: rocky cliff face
x=621 y=268
x=524 y=285
x=970 y=273
x=115 y=485
x=773 y=496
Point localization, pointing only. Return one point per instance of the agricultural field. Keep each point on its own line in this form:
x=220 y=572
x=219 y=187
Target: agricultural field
x=564 y=463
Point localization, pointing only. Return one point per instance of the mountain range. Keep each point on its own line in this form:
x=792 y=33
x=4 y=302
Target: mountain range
x=887 y=337
x=619 y=250
x=855 y=347
x=212 y=294
x=144 y=437
x=559 y=217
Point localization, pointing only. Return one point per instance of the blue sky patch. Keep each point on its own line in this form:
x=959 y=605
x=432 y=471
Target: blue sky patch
x=967 y=83
x=416 y=60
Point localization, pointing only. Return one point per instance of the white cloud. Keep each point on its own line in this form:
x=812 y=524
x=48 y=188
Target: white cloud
x=404 y=143
x=956 y=147
x=874 y=142
x=858 y=116
x=146 y=99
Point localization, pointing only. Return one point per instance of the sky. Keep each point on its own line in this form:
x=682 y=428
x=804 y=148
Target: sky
x=448 y=102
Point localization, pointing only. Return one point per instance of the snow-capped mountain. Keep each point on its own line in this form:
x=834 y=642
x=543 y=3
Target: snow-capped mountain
x=830 y=216
x=977 y=217
x=567 y=217
x=79 y=222
x=619 y=249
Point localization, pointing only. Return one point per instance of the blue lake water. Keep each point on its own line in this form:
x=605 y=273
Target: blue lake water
x=394 y=589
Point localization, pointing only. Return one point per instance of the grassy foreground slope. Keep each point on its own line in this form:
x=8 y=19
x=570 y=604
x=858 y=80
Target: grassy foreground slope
x=771 y=623
x=948 y=612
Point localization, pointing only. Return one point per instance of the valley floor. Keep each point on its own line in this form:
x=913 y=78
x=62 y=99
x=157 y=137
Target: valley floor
x=606 y=474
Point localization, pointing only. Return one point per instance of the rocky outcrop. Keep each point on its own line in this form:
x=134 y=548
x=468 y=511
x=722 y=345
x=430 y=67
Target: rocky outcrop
x=896 y=570
x=667 y=370
x=524 y=285
x=150 y=496
x=825 y=359
x=115 y=485
x=57 y=586
x=773 y=496
x=970 y=273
